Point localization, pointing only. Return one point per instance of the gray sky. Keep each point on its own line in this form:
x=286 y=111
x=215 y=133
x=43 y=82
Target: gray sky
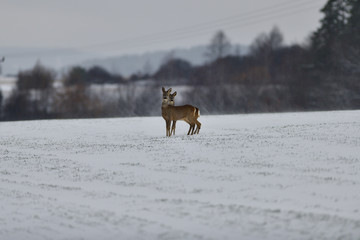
x=135 y=26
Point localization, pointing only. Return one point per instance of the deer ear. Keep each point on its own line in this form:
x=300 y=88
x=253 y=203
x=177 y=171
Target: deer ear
x=163 y=89
x=174 y=94
x=170 y=89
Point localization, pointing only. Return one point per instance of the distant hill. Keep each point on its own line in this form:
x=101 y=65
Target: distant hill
x=61 y=59
x=151 y=61
x=25 y=58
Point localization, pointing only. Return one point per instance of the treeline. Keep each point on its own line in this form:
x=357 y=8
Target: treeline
x=81 y=93
x=322 y=74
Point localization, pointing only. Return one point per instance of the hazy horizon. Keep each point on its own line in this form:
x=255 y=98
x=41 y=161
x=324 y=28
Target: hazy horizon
x=60 y=33
x=117 y=28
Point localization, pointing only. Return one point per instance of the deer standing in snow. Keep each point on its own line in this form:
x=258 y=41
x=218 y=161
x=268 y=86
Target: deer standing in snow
x=164 y=109
x=187 y=113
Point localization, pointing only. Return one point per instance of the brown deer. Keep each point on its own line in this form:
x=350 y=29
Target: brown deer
x=187 y=113
x=164 y=109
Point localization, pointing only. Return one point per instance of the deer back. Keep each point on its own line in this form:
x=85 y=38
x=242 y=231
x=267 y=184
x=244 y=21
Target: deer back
x=185 y=112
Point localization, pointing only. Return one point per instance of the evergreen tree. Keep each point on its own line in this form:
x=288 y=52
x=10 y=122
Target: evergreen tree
x=353 y=21
x=351 y=40
x=345 y=49
x=333 y=26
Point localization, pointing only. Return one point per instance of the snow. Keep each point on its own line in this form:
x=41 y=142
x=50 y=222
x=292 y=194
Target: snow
x=258 y=176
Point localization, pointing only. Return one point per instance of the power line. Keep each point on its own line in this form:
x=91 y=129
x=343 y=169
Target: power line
x=236 y=21
x=211 y=24
x=160 y=39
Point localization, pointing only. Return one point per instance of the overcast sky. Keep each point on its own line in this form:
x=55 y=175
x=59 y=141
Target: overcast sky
x=135 y=26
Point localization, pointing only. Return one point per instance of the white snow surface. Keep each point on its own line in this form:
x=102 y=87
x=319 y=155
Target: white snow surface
x=256 y=176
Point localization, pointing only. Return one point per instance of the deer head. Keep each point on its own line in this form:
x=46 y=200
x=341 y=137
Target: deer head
x=165 y=97
x=172 y=99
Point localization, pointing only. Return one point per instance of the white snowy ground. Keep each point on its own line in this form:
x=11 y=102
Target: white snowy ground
x=261 y=176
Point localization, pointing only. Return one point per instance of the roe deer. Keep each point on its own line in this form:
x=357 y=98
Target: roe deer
x=187 y=113
x=164 y=112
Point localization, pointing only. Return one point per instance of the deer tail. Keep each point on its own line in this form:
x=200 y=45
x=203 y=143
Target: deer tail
x=197 y=112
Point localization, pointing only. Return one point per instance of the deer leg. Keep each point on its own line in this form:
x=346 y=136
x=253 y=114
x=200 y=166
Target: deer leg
x=173 y=128
x=187 y=121
x=168 y=128
x=198 y=126
x=193 y=127
x=189 y=129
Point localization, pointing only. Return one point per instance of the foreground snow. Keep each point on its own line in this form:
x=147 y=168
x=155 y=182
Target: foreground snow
x=264 y=176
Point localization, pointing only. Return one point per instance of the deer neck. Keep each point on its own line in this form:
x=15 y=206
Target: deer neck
x=164 y=110
x=164 y=105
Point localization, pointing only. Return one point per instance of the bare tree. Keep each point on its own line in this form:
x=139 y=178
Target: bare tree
x=265 y=44
x=39 y=78
x=263 y=49
x=237 y=51
x=219 y=47
x=76 y=101
x=39 y=83
x=168 y=58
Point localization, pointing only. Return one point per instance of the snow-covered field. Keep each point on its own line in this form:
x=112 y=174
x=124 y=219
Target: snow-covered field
x=261 y=176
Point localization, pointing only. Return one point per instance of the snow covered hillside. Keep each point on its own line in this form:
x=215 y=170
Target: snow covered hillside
x=260 y=176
